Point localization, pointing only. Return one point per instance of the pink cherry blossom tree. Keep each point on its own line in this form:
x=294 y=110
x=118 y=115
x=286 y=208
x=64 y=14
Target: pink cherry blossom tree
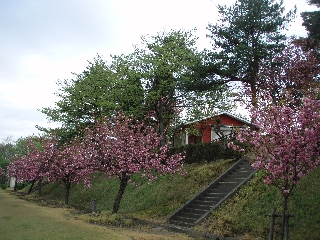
x=33 y=165
x=286 y=142
x=293 y=70
x=71 y=164
x=125 y=147
x=68 y=164
x=36 y=163
x=286 y=137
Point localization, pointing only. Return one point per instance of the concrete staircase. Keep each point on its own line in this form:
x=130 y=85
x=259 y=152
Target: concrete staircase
x=195 y=210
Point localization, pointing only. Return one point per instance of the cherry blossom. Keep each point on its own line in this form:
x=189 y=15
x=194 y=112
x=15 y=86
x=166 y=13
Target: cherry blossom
x=125 y=147
x=71 y=164
x=285 y=142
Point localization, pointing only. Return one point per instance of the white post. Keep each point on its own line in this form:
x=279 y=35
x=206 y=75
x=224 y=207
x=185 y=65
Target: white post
x=187 y=137
x=12 y=181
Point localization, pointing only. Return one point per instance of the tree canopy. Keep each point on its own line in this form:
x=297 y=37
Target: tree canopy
x=127 y=146
x=285 y=140
x=244 y=39
x=165 y=62
x=311 y=21
x=150 y=82
x=99 y=91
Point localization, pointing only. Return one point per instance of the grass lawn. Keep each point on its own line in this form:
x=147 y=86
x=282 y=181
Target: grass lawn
x=244 y=216
x=20 y=219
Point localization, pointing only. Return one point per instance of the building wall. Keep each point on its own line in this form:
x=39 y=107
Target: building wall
x=208 y=135
x=225 y=119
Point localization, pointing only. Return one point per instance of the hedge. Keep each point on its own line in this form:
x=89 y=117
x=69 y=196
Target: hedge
x=204 y=152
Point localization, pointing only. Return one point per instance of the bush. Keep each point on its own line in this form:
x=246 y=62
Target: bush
x=3 y=186
x=22 y=185
x=105 y=217
x=204 y=152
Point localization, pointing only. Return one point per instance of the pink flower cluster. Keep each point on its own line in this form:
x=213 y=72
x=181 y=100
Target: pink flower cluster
x=287 y=141
x=119 y=148
x=34 y=165
x=131 y=147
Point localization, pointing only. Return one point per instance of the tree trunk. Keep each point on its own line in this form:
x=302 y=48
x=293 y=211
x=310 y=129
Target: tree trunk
x=15 y=185
x=254 y=100
x=68 y=186
x=39 y=188
x=31 y=187
x=285 y=218
x=161 y=126
x=123 y=184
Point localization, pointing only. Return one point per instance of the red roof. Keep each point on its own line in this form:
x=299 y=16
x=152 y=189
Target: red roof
x=241 y=119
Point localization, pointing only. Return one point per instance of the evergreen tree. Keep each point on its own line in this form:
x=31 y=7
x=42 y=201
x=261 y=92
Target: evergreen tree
x=311 y=21
x=245 y=38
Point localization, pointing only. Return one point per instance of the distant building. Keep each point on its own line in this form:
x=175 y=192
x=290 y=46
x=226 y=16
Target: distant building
x=214 y=128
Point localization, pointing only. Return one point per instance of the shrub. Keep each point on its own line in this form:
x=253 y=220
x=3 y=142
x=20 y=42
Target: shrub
x=106 y=217
x=204 y=152
x=22 y=185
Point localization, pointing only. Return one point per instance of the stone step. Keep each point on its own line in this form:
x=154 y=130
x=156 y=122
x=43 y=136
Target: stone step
x=205 y=201
x=198 y=208
x=203 y=204
x=245 y=164
x=210 y=198
x=189 y=220
x=225 y=184
x=224 y=189
x=179 y=223
x=244 y=167
x=214 y=192
x=240 y=179
x=228 y=182
x=242 y=174
x=191 y=215
x=243 y=171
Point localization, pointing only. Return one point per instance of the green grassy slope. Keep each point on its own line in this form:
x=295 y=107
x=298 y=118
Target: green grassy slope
x=156 y=199
x=244 y=216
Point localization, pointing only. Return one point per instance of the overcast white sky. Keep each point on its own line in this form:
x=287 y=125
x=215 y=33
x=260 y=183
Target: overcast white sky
x=42 y=41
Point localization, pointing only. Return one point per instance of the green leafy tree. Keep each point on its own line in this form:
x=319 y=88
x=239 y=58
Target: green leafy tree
x=166 y=63
x=130 y=99
x=10 y=149
x=202 y=104
x=152 y=81
x=6 y=152
x=244 y=40
x=97 y=92
x=163 y=60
